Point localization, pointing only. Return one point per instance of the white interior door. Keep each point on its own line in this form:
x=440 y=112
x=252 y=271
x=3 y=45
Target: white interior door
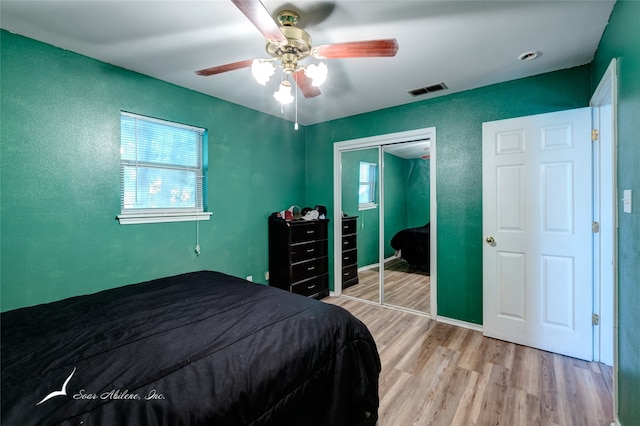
x=537 y=255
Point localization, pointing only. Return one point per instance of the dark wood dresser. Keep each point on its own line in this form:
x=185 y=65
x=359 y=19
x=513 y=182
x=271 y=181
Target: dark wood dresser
x=349 y=251
x=298 y=257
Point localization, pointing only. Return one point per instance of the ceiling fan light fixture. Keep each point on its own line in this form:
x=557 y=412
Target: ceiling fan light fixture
x=283 y=95
x=262 y=71
x=287 y=45
x=317 y=73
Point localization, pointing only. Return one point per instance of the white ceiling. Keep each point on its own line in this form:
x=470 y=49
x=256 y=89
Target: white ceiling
x=409 y=150
x=465 y=44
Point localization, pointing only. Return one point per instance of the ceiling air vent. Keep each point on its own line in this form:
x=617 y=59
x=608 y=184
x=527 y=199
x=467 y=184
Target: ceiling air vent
x=428 y=89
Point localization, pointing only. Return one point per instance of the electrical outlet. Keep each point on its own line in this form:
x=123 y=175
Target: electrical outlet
x=266 y=275
x=626 y=201
x=250 y=278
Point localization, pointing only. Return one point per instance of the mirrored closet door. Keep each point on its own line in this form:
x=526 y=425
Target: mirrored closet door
x=385 y=194
x=406 y=242
x=361 y=222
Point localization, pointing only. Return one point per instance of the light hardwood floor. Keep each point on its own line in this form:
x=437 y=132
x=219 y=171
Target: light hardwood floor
x=403 y=286
x=437 y=374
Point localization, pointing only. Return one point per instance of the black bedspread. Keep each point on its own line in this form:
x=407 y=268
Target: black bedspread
x=201 y=348
x=414 y=246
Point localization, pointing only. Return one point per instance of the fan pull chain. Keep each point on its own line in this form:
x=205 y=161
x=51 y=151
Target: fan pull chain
x=295 y=126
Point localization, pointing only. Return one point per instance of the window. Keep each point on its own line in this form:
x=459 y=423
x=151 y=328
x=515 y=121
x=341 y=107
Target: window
x=161 y=171
x=367 y=189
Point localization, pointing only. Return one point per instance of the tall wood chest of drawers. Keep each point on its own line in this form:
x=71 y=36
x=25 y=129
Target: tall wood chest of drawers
x=298 y=257
x=349 y=251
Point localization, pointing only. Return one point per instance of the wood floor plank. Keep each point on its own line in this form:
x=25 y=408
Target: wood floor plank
x=438 y=374
x=447 y=397
x=478 y=399
x=397 y=395
x=494 y=403
x=464 y=409
x=470 y=351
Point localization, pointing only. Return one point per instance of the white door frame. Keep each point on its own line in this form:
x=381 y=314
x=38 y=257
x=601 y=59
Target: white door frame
x=606 y=94
x=373 y=142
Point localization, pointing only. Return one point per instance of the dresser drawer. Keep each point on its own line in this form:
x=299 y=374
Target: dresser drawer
x=349 y=242
x=350 y=257
x=350 y=283
x=309 y=250
x=349 y=273
x=308 y=231
x=312 y=286
x=349 y=226
x=303 y=270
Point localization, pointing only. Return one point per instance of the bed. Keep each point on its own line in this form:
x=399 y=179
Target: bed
x=412 y=245
x=200 y=348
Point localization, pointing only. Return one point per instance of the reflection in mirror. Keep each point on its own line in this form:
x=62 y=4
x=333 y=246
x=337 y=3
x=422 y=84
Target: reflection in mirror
x=361 y=224
x=406 y=225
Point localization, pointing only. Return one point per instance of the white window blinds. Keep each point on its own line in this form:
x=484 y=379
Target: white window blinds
x=367 y=189
x=161 y=166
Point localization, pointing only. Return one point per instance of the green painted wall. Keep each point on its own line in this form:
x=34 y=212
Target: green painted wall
x=622 y=40
x=418 y=192
x=458 y=121
x=60 y=178
x=395 y=199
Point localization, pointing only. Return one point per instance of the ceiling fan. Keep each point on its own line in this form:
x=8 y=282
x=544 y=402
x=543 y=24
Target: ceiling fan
x=288 y=45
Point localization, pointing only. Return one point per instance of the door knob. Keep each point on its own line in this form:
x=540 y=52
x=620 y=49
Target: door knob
x=490 y=240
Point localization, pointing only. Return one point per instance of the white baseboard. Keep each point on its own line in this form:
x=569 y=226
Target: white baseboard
x=367 y=267
x=459 y=323
x=375 y=265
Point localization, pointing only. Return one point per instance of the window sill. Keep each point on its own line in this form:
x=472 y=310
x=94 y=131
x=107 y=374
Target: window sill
x=367 y=206
x=138 y=218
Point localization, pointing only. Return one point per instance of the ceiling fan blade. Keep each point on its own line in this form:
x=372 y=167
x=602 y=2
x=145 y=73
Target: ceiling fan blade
x=304 y=84
x=260 y=17
x=357 y=49
x=224 y=68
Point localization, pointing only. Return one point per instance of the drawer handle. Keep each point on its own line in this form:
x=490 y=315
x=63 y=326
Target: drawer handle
x=311 y=268
x=345 y=243
x=345 y=227
x=346 y=274
x=311 y=250
x=310 y=287
x=346 y=258
x=311 y=231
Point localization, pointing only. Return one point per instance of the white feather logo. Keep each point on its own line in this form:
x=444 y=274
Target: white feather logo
x=61 y=392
